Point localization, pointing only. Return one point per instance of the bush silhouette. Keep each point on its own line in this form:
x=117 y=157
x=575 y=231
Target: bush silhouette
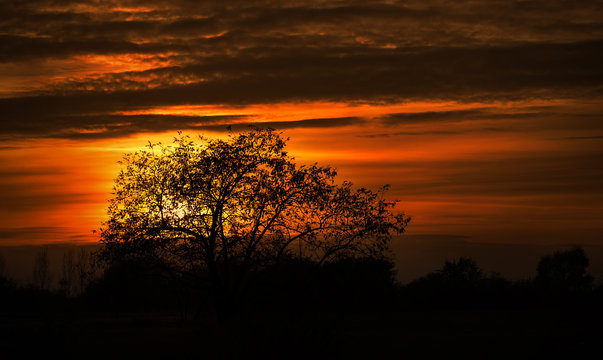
x=564 y=272
x=459 y=283
x=463 y=271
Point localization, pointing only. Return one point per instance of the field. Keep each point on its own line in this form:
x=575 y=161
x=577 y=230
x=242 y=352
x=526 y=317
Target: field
x=483 y=333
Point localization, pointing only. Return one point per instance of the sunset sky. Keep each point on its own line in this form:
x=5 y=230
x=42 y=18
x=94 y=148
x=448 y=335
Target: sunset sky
x=485 y=117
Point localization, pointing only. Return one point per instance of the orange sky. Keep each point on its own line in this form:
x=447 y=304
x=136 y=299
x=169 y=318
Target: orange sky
x=485 y=120
x=476 y=182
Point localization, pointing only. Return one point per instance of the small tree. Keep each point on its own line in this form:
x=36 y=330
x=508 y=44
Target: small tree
x=41 y=272
x=220 y=209
x=565 y=271
x=2 y=266
x=77 y=271
x=462 y=271
x=86 y=270
x=68 y=273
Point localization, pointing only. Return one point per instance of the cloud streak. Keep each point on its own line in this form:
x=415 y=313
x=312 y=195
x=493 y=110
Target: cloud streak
x=562 y=70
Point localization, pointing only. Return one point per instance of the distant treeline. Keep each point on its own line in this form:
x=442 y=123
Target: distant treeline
x=363 y=284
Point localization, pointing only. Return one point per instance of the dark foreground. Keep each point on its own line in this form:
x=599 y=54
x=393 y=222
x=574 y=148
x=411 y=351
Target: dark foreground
x=483 y=333
x=349 y=309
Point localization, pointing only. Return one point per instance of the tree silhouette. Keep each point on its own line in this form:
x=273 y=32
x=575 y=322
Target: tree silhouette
x=77 y=270
x=41 y=271
x=222 y=208
x=67 y=281
x=2 y=266
x=463 y=270
x=565 y=271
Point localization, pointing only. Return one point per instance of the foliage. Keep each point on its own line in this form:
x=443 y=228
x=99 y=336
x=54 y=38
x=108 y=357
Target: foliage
x=78 y=269
x=457 y=284
x=41 y=276
x=222 y=208
x=463 y=270
x=565 y=271
x=360 y=284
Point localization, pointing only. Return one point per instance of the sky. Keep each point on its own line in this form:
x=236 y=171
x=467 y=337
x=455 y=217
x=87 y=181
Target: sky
x=485 y=117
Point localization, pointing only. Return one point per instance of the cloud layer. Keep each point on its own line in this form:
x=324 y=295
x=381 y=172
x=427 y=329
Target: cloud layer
x=149 y=54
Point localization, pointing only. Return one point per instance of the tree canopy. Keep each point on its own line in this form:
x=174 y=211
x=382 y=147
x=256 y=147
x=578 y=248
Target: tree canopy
x=223 y=207
x=565 y=271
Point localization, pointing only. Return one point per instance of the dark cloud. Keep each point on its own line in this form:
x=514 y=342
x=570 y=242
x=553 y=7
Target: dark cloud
x=31 y=232
x=594 y=137
x=14 y=48
x=521 y=174
x=105 y=126
x=475 y=114
x=520 y=72
x=259 y=52
x=433 y=116
x=426 y=22
x=19 y=198
x=439 y=132
x=294 y=124
x=371 y=24
x=108 y=126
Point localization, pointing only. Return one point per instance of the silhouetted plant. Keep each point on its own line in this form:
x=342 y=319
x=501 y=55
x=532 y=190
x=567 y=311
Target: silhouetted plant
x=221 y=209
x=2 y=266
x=353 y=284
x=67 y=281
x=462 y=271
x=565 y=271
x=459 y=283
x=131 y=285
x=41 y=272
x=6 y=286
x=359 y=284
x=77 y=271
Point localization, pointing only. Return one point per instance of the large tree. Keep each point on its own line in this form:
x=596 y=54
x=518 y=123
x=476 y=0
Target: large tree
x=222 y=208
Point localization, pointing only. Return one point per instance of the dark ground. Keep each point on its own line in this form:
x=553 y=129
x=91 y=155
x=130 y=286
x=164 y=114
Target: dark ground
x=484 y=333
x=351 y=308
